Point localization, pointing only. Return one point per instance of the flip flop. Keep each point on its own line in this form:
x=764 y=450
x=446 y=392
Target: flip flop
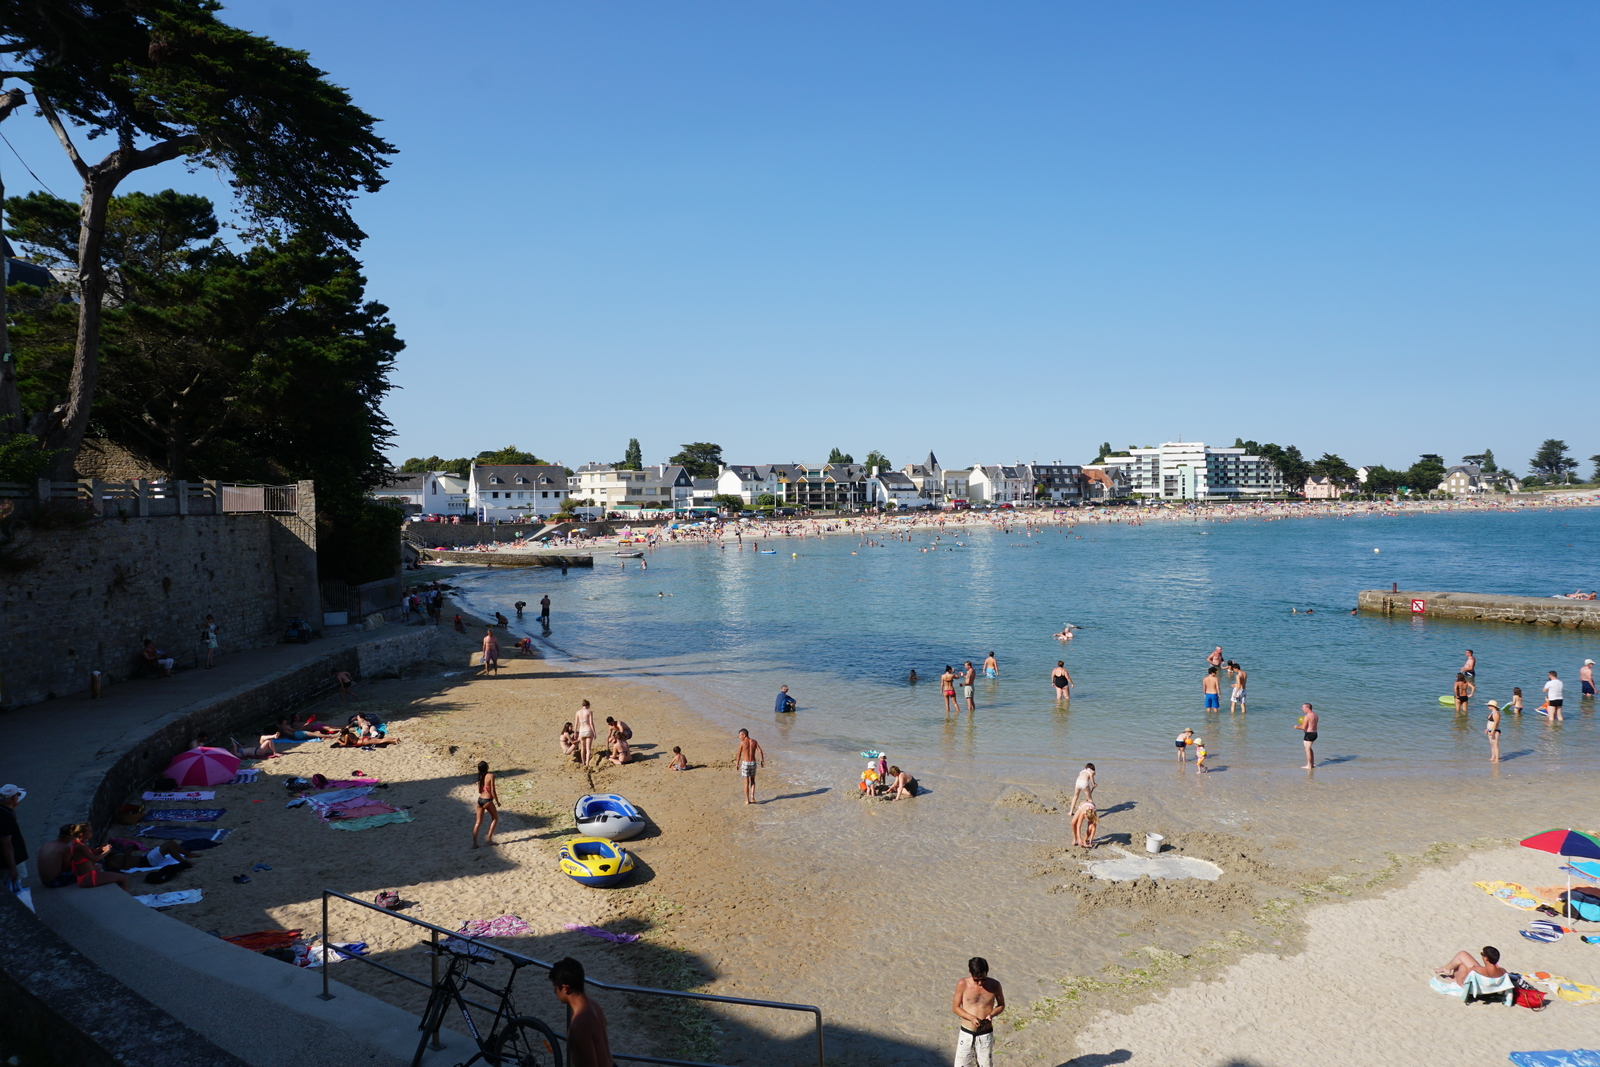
x=241 y=879
x=261 y=867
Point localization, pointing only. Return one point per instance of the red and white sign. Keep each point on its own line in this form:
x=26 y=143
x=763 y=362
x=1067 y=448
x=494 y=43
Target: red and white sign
x=1419 y=607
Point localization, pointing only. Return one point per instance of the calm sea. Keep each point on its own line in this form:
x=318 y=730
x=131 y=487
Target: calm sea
x=843 y=624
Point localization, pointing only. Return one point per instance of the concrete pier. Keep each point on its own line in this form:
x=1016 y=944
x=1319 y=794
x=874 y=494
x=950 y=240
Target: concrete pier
x=512 y=558
x=1483 y=607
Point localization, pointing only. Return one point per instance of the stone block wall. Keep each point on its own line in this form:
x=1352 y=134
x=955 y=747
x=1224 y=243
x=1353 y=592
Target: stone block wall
x=1486 y=607
x=97 y=592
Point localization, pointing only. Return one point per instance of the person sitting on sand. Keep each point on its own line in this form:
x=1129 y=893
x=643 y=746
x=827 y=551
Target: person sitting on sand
x=371 y=728
x=901 y=784
x=1464 y=963
x=569 y=741
x=263 y=748
x=68 y=860
x=620 y=752
x=1085 y=825
x=680 y=762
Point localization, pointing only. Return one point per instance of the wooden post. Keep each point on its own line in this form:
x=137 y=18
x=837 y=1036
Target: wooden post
x=183 y=497
x=96 y=495
x=142 y=489
x=43 y=490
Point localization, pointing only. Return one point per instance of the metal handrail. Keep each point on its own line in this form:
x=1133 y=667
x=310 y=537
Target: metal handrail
x=521 y=959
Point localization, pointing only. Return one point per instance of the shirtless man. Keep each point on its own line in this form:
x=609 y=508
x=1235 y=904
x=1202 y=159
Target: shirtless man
x=585 y=720
x=491 y=652
x=68 y=860
x=947 y=682
x=749 y=755
x=1586 y=679
x=1085 y=786
x=1062 y=681
x=1470 y=667
x=977 y=1001
x=1212 y=689
x=991 y=666
x=968 y=679
x=1240 y=677
x=1464 y=963
x=1308 y=728
x=1215 y=659
x=588 y=1043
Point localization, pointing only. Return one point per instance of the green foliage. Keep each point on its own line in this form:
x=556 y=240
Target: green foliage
x=877 y=459
x=357 y=542
x=1595 y=459
x=458 y=467
x=1332 y=467
x=1425 y=475
x=728 y=502
x=1290 y=463
x=1487 y=464
x=1381 y=480
x=766 y=500
x=633 y=457
x=1552 y=461
x=837 y=457
x=702 y=459
x=508 y=454
x=21 y=458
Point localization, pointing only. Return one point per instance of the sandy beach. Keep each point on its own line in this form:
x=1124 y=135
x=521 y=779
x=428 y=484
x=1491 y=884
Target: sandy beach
x=1336 y=897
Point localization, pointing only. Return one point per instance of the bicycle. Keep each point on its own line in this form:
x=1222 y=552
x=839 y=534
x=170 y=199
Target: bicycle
x=512 y=1041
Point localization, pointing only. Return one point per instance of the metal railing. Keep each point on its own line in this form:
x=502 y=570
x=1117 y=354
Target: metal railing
x=327 y=941
x=270 y=498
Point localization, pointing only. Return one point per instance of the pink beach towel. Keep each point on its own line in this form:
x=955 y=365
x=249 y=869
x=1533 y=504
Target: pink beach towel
x=606 y=935
x=504 y=926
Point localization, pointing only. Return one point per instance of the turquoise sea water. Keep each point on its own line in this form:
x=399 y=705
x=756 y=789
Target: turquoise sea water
x=843 y=624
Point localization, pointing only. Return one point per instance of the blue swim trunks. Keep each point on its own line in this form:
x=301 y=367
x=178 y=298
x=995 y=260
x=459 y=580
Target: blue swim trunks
x=1211 y=700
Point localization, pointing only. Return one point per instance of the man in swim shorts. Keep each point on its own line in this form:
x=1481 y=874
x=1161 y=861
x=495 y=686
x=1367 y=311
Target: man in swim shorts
x=1553 y=696
x=1215 y=659
x=1212 y=689
x=1308 y=728
x=1470 y=667
x=1586 y=678
x=977 y=1001
x=749 y=755
x=1240 y=676
x=968 y=679
x=991 y=667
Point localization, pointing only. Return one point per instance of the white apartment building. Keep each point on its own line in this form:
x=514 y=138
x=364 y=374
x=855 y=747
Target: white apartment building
x=426 y=493
x=1190 y=470
x=1000 y=484
x=522 y=491
x=751 y=481
x=664 y=487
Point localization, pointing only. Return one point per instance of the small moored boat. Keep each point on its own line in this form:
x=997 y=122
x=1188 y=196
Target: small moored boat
x=594 y=861
x=607 y=815
x=629 y=555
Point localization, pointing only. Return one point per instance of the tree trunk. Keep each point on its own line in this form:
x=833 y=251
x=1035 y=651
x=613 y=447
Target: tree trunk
x=72 y=418
x=10 y=396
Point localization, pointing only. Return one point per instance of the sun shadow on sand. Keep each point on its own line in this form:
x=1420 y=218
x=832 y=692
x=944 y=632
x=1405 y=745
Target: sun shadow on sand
x=1126 y=805
x=795 y=796
x=1337 y=759
x=643 y=1025
x=1515 y=755
x=1122 y=1055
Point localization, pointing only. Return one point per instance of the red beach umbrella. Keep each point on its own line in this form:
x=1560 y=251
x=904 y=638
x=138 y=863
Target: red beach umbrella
x=1574 y=843
x=203 y=766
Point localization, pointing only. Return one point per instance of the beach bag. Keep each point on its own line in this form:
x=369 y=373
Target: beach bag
x=1530 y=998
x=1582 y=906
x=388 y=899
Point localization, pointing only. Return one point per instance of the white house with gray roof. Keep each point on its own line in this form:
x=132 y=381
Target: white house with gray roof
x=516 y=491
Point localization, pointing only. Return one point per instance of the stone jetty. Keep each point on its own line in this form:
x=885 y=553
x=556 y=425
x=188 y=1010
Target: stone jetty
x=1484 y=607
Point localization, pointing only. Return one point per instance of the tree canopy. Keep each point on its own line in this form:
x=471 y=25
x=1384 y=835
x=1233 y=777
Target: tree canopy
x=508 y=454
x=1334 y=469
x=876 y=459
x=836 y=457
x=1552 y=462
x=702 y=459
x=458 y=467
x=632 y=456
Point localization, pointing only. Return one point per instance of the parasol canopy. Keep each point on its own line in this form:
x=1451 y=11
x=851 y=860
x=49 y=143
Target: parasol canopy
x=1573 y=843
x=203 y=766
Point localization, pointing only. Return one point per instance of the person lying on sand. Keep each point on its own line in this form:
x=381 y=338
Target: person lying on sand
x=348 y=738
x=263 y=748
x=1464 y=963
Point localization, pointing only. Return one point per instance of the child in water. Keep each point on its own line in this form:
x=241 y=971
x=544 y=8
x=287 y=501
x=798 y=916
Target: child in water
x=1183 y=741
x=1199 y=756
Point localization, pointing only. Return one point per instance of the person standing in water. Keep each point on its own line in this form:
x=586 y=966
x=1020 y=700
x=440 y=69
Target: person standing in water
x=991 y=666
x=1240 y=676
x=1463 y=692
x=1212 y=689
x=1491 y=730
x=1215 y=659
x=969 y=678
x=1308 y=730
x=947 y=681
x=1470 y=667
x=488 y=801
x=1062 y=681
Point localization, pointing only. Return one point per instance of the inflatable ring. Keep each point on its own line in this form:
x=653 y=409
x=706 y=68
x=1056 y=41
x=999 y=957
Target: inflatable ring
x=594 y=861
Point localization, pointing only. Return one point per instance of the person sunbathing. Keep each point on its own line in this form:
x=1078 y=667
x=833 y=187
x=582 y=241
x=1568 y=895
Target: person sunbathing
x=348 y=738
x=68 y=860
x=1464 y=963
x=263 y=748
x=372 y=728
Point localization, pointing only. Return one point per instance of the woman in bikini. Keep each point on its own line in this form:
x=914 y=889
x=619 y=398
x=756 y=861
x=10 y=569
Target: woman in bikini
x=569 y=741
x=585 y=717
x=488 y=801
x=947 y=681
x=1491 y=730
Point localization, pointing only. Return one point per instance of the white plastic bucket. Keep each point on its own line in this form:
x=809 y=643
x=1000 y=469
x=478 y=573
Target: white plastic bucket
x=1152 y=842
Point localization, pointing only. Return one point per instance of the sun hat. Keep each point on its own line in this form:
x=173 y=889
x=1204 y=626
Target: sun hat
x=1495 y=704
x=1589 y=662
x=17 y=791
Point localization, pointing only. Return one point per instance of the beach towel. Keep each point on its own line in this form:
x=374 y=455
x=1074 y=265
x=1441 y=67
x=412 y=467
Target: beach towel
x=197 y=794
x=1476 y=985
x=262 y=940
x=322 y=801
x=504 y=926
x=607 y=935
x=353 y=783
x=186 y=815
x=370 y=821
x=1578 y=1057
x=246 y=776
x=166 y=900
x=187 y=834
x=360 y=810
x=1515 y=895
x=1589 y=870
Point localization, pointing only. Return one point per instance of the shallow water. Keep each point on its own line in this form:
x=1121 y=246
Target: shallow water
x=842 y=624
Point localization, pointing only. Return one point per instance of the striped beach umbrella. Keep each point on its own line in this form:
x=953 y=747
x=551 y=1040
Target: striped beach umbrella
x=203 y=766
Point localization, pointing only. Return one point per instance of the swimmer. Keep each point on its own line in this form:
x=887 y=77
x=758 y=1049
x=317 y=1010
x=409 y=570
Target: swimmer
x=991 y=667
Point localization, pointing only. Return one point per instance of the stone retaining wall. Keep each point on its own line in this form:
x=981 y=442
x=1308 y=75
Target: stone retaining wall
x=511 y=558
x=1485 y=607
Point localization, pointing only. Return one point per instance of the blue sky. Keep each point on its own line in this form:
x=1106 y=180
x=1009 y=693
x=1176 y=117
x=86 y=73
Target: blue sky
x=1002 y=231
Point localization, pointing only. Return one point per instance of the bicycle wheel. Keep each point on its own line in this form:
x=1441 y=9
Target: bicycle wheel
x=525 y=1042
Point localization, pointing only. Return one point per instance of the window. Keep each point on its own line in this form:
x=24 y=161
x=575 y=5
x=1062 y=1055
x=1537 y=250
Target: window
x=494 y=496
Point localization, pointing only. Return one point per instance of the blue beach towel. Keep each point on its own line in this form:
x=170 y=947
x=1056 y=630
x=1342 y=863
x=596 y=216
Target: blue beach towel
x=186 y=815
x=183 y=833
x=1589 y=869
x=1578 y=1057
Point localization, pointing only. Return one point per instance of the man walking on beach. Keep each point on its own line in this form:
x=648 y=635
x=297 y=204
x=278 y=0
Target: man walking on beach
x=968 y=680
x=749 y=754
x=977 y=1001
x=491 y=652
x=1308 y=728
x=1212 y=689
x=544 y=610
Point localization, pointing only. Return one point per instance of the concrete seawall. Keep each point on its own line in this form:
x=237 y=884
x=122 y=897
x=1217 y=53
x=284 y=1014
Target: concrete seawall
x=1484 y=607
x=512 y=558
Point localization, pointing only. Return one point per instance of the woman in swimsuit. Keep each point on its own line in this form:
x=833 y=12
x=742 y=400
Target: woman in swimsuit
x=948 y=681
x=1062 y=681
x=569 y=741
x=585 y=719
x=488 y=800
x=1491 y=730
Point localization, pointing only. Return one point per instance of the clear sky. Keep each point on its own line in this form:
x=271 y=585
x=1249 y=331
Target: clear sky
x=1000 y=231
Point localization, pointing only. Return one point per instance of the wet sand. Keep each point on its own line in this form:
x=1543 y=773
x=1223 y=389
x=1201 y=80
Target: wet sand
x=870 y=909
